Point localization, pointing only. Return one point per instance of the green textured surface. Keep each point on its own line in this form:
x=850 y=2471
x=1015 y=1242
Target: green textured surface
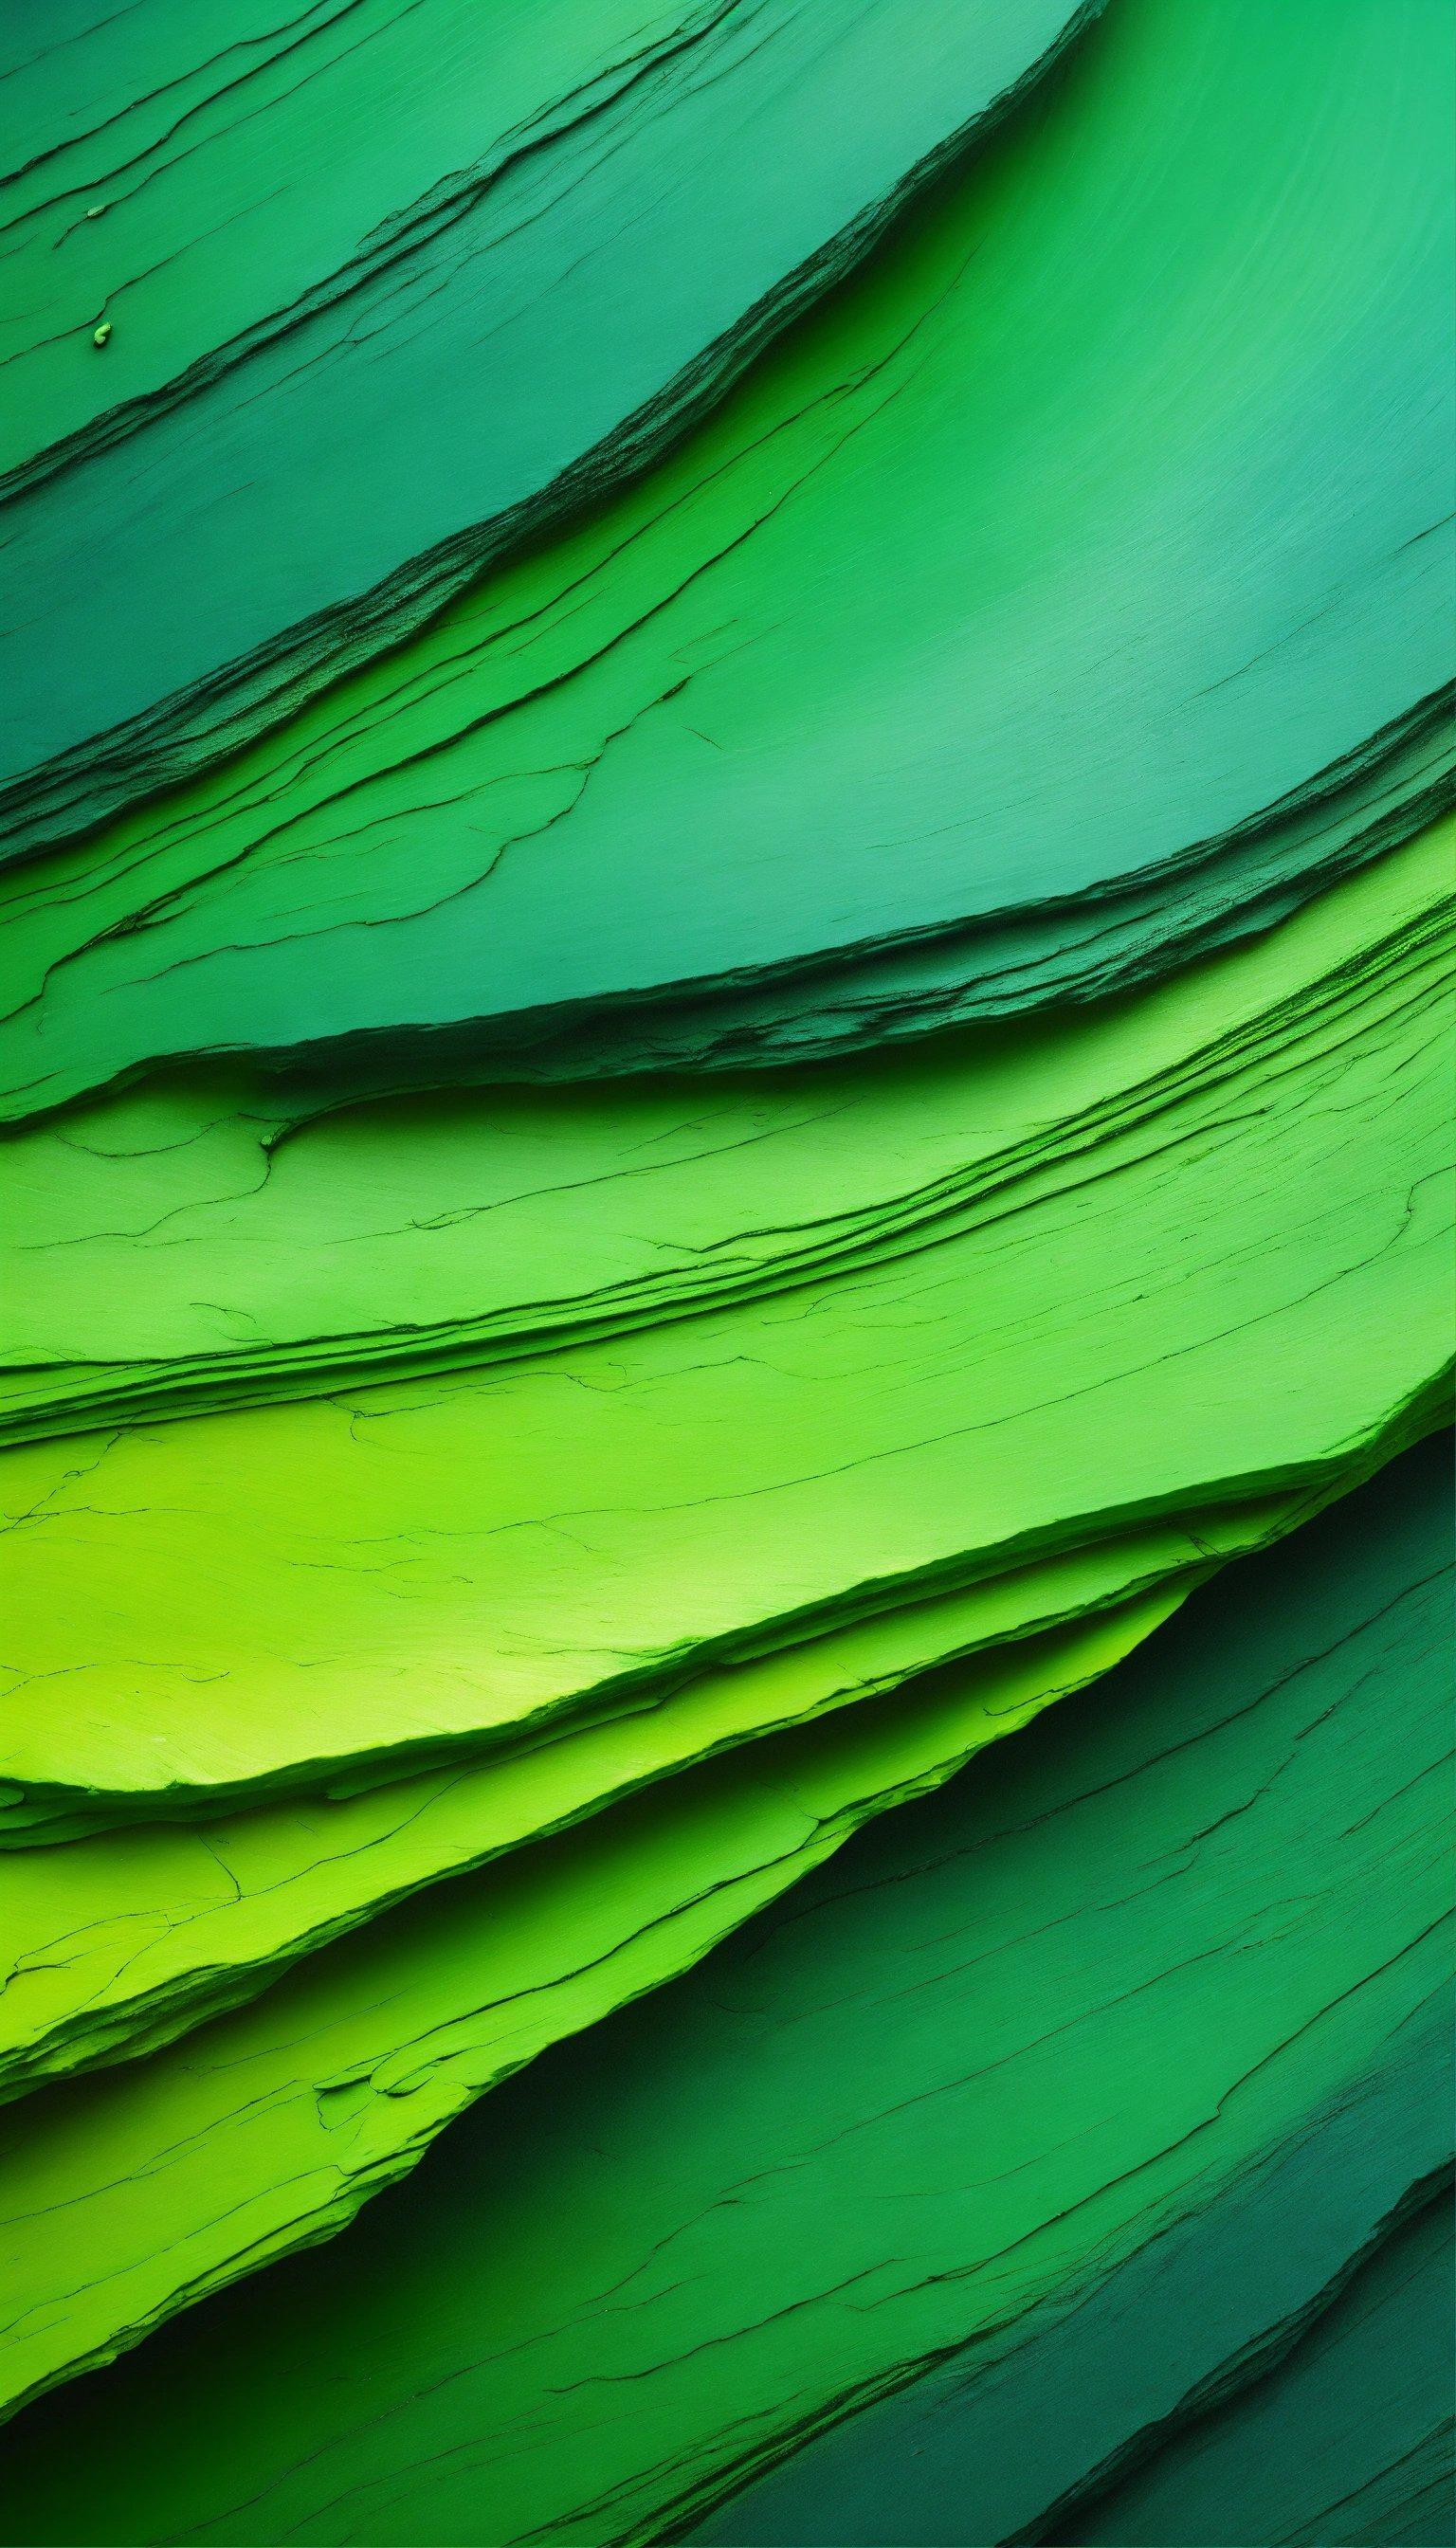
x=930 y=2095
x=298 y=284
x=1349 y=2447
x=267 y=2129
x=993 y=593
x=459 y=1557
x=1122 y=2390
x=207 y=1240
x=124 y=1937
x=726 y=1041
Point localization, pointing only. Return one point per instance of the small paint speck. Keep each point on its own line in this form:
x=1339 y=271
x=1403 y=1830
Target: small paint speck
x=95 y=211
x=102 y=332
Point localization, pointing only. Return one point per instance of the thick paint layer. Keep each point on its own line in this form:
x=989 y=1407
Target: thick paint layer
x=929 y=2097
x=1248 y=1308
x=267 y=2130
x=215 y=1239
x=996 y=595
x=132 y=1934
x=344 y=397
x=1350 y=2445
x=1120 y=2395
x=725 y=1044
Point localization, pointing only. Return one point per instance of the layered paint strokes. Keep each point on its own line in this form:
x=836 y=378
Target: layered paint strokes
x=915 y=2132
x=726 y=1148
x=290 y=372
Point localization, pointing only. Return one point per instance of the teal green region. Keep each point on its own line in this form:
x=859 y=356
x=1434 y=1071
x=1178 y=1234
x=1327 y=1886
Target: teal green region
x=264 y=468
x=1350 y=2445
x=1133 y=2377
x=990 y=605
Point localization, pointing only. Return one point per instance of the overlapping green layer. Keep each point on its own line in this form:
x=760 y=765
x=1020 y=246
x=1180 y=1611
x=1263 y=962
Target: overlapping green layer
x=301 y=236
x=268 y=2130
x=1351 y=2441
x=993 y=599
x=681 y=1782
x=464 y=1558
x=726 y=1032
x=1275 y=2364
x=207 y=1241
x=928 y=2105
x=135 y=1933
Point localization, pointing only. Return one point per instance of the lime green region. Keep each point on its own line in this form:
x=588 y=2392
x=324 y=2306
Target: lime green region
x=1143 y=1964
x=266 y=2130
x=993 y=595
x=206 y=1239
x=126 y=1937
x=1234 y=1301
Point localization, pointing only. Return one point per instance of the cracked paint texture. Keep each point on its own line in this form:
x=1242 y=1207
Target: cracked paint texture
x=915 y=2129
x=726 y=1271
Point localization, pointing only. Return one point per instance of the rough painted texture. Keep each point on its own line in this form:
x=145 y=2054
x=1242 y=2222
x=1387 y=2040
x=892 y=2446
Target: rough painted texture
x=462 y=1558
x=1125 y=2391
x=212 y=1239
x=725 y=1062
x=1351 y=2442
x=993 y=599
x=267 y=2130
x=287 y=418
x=128 y=1936
x=928 y=2103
